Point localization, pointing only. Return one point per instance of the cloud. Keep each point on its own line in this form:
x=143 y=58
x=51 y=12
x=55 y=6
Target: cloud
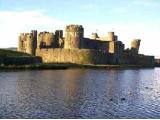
x=14 y=22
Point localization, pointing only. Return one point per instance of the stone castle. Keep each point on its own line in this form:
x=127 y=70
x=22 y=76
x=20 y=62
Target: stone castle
x=75 y=48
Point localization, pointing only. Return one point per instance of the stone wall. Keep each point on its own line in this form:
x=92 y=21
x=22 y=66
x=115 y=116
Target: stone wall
x=94 y=44
x=88 y=56
x=79 y=56
x=20 y=60
x=135 y=59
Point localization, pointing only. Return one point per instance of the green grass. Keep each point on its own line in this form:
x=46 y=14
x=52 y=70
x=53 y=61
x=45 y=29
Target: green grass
x=10 y=53
x=69 y=65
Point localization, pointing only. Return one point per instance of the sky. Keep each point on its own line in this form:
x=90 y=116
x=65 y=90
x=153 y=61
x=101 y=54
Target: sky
x=129 y=19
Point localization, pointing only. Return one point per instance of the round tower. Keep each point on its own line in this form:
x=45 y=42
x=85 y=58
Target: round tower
x=49 y=39
x=73 y=36
x=30 y=44
x=135 y=44
x=20 y=44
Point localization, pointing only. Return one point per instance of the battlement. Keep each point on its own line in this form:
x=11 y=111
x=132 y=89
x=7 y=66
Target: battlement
x=74 y=28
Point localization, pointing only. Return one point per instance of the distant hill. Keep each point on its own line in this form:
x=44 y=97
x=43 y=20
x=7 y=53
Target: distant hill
x=11 y=48
x=11 y=53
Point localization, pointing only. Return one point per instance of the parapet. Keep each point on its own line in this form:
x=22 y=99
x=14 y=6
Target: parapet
x=74 y=28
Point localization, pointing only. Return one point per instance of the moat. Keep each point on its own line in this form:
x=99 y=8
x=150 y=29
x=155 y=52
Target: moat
x=80 y=93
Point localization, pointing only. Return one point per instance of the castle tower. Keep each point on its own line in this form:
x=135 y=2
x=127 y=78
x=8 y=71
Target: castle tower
x=49 y=39
x=114 y=46
x=110 y=36
x=39 y=40
x=20 y=44
x=73 y=36
x=31 y=43
x=135 y=44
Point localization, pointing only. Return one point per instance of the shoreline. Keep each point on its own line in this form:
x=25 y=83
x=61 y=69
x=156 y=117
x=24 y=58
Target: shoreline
x=56 y=66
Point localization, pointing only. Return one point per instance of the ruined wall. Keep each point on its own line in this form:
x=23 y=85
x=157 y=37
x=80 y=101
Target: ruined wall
x=73 y=36
x=86 y=56
x=94 y=44
x=83 y=56
x=135 y=59
x=116 y=47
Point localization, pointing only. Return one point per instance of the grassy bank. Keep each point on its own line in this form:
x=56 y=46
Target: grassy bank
x=68 y=65
x=10 y=53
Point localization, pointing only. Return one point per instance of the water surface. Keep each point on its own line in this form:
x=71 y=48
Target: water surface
x=80 y=93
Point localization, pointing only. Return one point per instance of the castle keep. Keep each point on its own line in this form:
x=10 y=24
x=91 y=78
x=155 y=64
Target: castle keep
x=75 y=48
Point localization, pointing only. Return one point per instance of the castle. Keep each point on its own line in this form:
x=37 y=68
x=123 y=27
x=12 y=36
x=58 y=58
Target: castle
x=75 y=48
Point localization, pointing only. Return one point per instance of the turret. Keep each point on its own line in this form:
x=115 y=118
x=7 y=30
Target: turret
x=39 y=40
x=20 y=44
x=31 y=42
x=73 y=36
x=49 y=38
x=111 y=36
x=135 y=44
